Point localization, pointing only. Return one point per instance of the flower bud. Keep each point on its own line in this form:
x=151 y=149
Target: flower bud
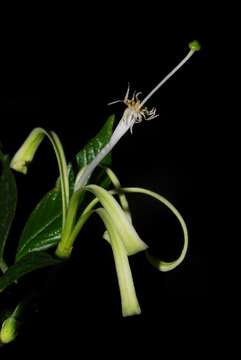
x=9 y=330
x=25 y=154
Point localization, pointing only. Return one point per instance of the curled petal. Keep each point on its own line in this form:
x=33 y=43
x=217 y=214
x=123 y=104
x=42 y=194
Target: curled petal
x=131 y=240
x=129 y=302
x=159 y=264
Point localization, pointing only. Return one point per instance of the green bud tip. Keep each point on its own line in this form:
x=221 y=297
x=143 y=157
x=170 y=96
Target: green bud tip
x=9 y=330
x=194 y=45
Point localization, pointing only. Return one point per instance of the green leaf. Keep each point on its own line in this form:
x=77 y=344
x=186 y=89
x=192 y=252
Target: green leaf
x=92 y=148
x=26 y=265
x=8 y=201
x=43 y=228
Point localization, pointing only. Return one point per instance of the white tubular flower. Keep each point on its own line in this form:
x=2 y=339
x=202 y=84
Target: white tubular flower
x=129 y=302
x=134 y=113
x=127 y=121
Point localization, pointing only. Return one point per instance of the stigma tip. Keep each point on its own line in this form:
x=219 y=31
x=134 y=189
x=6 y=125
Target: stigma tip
x=194 y=45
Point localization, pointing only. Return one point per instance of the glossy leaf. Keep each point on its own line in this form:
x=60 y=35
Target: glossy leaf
x=8 y=200
x=91 y=149
x=43 y=227
x=26 y=265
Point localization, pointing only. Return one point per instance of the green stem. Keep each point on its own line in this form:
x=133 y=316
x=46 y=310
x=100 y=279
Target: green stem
x=64 y=247
x=63 y=169
x=71 y=231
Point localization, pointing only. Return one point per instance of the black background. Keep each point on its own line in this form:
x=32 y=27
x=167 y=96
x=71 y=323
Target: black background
x=62 y=79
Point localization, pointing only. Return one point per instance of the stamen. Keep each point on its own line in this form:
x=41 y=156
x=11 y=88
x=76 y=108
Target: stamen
x=127 y=92
x=138 y=94
x=114 y=102
x=125 y=98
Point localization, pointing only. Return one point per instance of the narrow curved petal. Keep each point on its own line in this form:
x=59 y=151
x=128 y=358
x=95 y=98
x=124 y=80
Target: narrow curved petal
x=159 y=264
x=131 y=239
x=129 y=301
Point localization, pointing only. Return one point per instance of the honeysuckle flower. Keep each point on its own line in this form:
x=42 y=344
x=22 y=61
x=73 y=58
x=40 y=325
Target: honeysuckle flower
x=134 y=113
x=122 y=237
x=161 y=265
x=25 y=155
